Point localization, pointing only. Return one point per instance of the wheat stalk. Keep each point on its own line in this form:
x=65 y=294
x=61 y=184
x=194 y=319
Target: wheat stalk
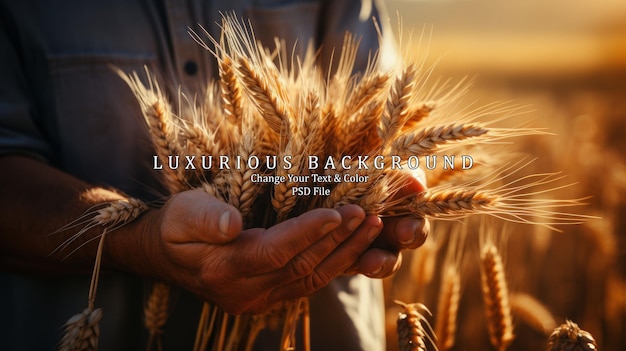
x=496 y=298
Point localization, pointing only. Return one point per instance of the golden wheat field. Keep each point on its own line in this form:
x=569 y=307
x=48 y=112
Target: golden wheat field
x=529 y=240
x=567 y=62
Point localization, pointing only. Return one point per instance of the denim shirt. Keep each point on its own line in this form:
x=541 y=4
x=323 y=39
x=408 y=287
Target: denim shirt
x=61 y=102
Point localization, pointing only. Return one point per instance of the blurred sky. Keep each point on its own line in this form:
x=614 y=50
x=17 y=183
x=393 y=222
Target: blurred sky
x=554 y=37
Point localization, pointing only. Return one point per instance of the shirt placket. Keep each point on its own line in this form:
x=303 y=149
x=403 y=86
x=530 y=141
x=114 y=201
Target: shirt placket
x=187 y=54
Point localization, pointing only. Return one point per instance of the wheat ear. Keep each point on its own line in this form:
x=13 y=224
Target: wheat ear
x=269 y=104
x=412 y=335
x=429 y=139
x=155 y=313
x=82 y=331
x=395 y=114
x=158 y=116
x=283 y=200
x=496 y=298
x=450 y=288
x=417 y=114
x=230 y=90
x=436 y=202
x=358 y=141
x=368 y=89
x=111 y=215
x=447 y=308
x=569 y=337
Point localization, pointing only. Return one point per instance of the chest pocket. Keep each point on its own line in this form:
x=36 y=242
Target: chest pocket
x=295 y=23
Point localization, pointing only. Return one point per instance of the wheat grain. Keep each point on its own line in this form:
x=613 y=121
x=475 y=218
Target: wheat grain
x=496 y=298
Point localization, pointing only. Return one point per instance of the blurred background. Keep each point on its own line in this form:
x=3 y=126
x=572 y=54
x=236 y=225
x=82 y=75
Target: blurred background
x=566 y=61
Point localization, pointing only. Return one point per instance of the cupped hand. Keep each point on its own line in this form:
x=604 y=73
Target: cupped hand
x=201 y=248
x=384 y=257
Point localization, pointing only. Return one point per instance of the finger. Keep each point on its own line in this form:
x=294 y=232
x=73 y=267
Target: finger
x=378 y=263
x=335 y=264
x=403 y=233
x=306 y=261
x=282 y=242
x=415 y=183
x=195 y=216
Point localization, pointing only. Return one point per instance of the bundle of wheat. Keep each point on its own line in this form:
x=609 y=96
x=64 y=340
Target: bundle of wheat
x=273 y=131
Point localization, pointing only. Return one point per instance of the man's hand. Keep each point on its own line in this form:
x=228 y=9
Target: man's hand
x=384 y=257
x=200 y=246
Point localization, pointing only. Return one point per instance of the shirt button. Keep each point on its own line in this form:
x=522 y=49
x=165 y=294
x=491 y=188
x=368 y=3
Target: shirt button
x=190 y=68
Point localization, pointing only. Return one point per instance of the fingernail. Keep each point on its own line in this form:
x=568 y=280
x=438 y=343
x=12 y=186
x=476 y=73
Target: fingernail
x=353 y=223
x=327 y=227
x=376 y=272
x=224 y=222
x=373 y=232
x=409 y=239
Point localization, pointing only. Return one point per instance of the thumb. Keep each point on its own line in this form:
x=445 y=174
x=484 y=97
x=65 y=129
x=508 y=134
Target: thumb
x=195 y=216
